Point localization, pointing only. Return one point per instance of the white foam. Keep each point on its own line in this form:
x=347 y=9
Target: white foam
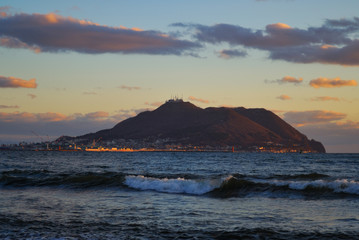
x=339 y=185
x=179 y=185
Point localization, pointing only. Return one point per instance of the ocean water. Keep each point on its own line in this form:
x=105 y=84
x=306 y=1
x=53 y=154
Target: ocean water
x=178 y=195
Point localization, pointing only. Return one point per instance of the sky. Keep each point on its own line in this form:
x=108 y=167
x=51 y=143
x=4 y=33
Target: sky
x=74 y=67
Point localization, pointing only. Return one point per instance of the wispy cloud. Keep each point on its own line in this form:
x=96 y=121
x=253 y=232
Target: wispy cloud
x=32 y=96
x=331 y=83
x=229 y=54
x=289 y=79
x=284 y=97
x=130 y=88
x=325 y=98
x=12 y=82
x=334 y=42
x=191 y=98
x=89 y=93
x=55 y=33
x=154 y=104
x=8 y=106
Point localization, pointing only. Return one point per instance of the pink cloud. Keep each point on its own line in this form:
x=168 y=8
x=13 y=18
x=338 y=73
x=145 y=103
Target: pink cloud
x=12 y=82
x=11 y=42
x=191 y=98
x=331 y=83
x=54 y=33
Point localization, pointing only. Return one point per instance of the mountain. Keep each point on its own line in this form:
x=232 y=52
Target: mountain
x=178 y=122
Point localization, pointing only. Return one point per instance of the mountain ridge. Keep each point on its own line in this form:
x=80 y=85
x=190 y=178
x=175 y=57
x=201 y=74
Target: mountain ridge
x=179 y=122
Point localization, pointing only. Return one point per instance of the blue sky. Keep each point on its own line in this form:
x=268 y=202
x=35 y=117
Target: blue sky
x=95 y=63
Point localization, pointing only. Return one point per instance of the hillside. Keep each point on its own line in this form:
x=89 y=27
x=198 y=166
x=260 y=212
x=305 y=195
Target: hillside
x=178 y=122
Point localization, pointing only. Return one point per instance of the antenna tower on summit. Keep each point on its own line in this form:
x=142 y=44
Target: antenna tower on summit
x=175 y=98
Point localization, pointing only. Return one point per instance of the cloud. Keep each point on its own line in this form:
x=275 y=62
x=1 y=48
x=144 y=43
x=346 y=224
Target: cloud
x=55 y=33
x=8 y=106
x=11 y=42
x=18 y=126
x=228 y=54
x=305 y=118
x=334 y=42
x=284 y=97
x=12 y=82
x=32 y=117
x=198 y=99
x=331 y=83
x=130 y=88
x=325 y=98
x=346 y=55
x=97 y=115
x=89 y=93
x=340 y=136
x=32 y=96
x=289 y=79
x=4 y=11
x=154 y=104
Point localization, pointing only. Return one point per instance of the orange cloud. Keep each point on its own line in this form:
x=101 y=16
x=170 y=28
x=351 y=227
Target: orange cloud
x=12 y=82
x=278 y=26
x=284 y=97
x=304 y=118
x=331 y=83
x=32 y=117
x=325 y=98
x=289 y=79
x=198 y=99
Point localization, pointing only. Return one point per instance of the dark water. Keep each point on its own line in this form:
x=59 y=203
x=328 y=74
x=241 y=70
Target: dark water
x=173 y=195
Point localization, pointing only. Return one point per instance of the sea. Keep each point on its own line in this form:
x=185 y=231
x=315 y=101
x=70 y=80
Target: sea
x=178 y=195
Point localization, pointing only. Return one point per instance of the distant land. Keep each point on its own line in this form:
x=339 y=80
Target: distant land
x=179 y=125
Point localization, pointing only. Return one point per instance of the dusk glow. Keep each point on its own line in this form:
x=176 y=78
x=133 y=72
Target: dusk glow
x=70 y=68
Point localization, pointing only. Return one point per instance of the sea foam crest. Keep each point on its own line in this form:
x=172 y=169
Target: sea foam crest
x=338 y=186
x=178 y=185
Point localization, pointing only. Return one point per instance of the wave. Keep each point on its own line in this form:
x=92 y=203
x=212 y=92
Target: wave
x=41 y=178
x=233 y=187
x=178 y=185
x=312 y=185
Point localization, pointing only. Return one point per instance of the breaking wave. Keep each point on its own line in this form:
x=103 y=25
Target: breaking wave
x=179 y=185
x=313 y=185
x=233 y=186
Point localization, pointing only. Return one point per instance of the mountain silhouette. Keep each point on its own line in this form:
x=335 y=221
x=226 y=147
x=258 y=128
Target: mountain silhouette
x=182 y=122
